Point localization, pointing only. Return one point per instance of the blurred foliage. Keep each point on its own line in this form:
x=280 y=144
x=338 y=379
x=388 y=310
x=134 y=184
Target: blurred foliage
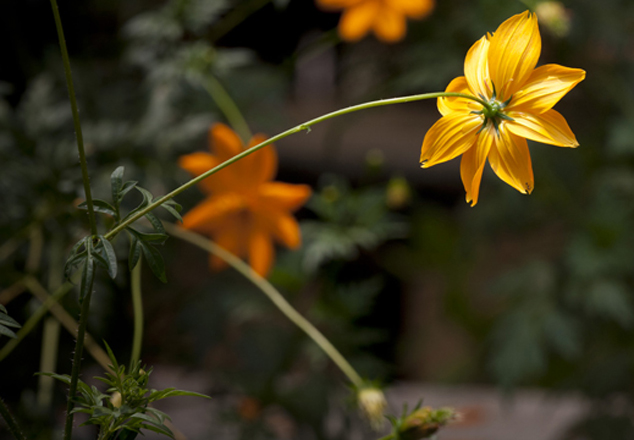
x=542 y=285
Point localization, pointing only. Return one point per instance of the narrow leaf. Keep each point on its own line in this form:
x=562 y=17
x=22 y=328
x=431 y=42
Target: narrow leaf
x=100 y=206
x=173 y=208
x=116 y=183
x=127 y=187
x=154 y=260
x=135 y=252
x=87 y=276
x=111 y=257
x=156 y=223
x=5 y=331
x=8 y=321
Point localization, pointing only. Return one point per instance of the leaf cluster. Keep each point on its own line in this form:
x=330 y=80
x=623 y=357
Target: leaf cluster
x=124 y=409
x=7 y=321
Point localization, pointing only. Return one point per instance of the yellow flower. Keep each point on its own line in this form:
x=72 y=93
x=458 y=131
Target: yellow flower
x=500 y=70
x=385 y=17
x=245 y=210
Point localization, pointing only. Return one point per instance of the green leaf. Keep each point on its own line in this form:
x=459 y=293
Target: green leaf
x=8 y=321
x=135 y=252
x=156 y=223
x=87 y=276
x=100 y=206
x=155 y=261
x=5 y=331
x=173 y=208
x=116 y=183
x=171 y=392
x=111 y=257
x=127 y=187
x=154 y=238
x=3 y=309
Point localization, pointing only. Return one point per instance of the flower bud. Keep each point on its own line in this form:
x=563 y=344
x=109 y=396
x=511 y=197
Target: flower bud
x=372 y=404
x=398 y=193
x=115 y=399
x=554 y=17
x=424 y=422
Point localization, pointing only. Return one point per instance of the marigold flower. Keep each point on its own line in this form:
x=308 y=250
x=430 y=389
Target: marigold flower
x=386 y=18
x=245 y=210
x=516 y=104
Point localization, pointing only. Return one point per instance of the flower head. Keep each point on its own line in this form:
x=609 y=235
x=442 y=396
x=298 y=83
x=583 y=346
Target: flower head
x=245 y=210
x=386 y=18
x=511 y=101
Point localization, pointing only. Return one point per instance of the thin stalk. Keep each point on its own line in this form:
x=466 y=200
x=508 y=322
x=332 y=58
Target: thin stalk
x=73 y=106
x=137 y=306
x=305 y=126
x=79 y=349
x=275 y=296
x=12 y=424
x=227 y=105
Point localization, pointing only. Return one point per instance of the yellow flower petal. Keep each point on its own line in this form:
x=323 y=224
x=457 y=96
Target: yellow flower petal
x=447 y=105
x=357 y=21
x=413 y=8
x=476 y=68
x=390 y=25
x=549 y=128
x=513 y=53
x=449 y=137
x=545 y=87
x=472 y=164
x=511 y=161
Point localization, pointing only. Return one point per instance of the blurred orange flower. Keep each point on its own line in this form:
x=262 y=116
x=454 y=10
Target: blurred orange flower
x=245 y=210
x=386 y=18
x=516 y=104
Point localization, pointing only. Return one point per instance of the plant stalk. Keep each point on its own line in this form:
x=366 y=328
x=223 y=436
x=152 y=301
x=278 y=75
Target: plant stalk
x=228 y=107
x=137 y=306
x=275 y=296
x=73 y=105
x=305 y=126
x=12 y=424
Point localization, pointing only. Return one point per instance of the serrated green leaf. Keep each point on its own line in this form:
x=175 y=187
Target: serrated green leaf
x=100 y=206
x=156 y=223
x=111 y=257
x=116 y=183
x=154 y=261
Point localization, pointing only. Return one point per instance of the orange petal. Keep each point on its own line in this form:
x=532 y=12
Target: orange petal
x=447 y=105
x=258 y=167
x=261 y=251
x=513 y=53
x=283 y=196
x=511 y=161
x=224 y=141
x=232 y=237
x=197 y=163
x=472 y=164
x=282 y=226
x=390 y=25
x=549 y=128
x=413 y=8
x=449 y=137
x=356 y=21
x=545 y=87
x=207 y=215
x=476 y=69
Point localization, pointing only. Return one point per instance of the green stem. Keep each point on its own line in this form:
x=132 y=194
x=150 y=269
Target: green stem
x=305 y=126
x=137 y=306
x=276 y=297
x=228 y=107
x=73 y=106
x=79 y=348
x=12 y=424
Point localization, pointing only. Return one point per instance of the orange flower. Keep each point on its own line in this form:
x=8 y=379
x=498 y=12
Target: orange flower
x=516 y=103
x=385 y=17
x=245 y=210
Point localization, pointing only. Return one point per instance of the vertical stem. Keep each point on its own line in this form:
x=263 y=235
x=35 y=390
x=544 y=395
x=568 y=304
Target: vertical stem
x=137 y=306
x=73 y=106
x=227 y=105
x=79 y=348
x=11 y=422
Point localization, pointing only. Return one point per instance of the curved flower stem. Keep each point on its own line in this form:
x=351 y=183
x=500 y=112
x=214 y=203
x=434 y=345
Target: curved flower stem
x=228 y=107
x=12 y=424
x=73 y=106
x=137 y=306
x=275 y=296
x=305 y=126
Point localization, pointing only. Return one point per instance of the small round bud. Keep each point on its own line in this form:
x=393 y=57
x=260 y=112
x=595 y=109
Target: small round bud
x=115 y=399
x=372 y=404
x=424 y=422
